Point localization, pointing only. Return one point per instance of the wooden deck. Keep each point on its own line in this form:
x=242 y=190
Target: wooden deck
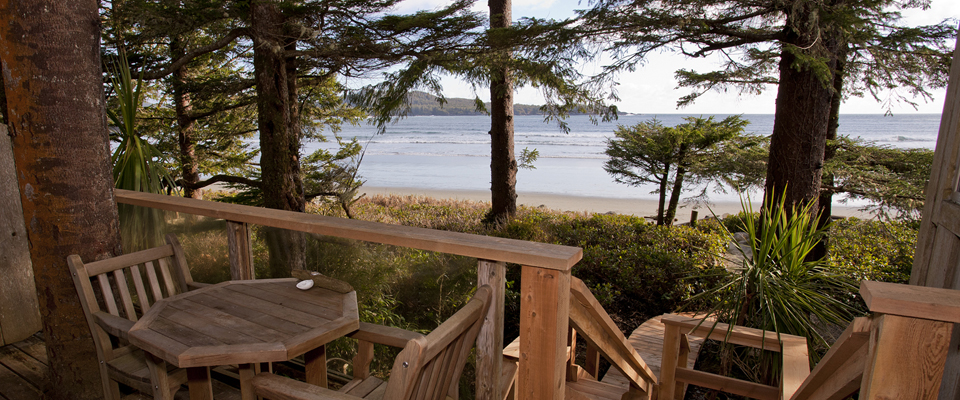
x=23 y=368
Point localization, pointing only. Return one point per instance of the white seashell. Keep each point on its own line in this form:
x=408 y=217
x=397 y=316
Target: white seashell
x=304 y=285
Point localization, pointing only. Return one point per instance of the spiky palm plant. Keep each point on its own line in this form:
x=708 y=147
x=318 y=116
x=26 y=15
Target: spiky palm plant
x=137 y=164
x=777 y=287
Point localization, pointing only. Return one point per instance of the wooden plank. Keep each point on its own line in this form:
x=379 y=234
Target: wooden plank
x=233 y=322
x=150 y=267
x=126 y=260
x=668 y=366
x=19 y=313
x=739 y=335
x=241 y=251
x=35 y=347
x=509 y=379
x=490 y=339
x=198 y=380
x=796 y=368
x=13 y=387
x=548 y=256
x=544 y=310
x=23 y=365
x=621 y=356
x=907 y=357
x=295 y=302
x=647 y=339
x=852 y=341
x=912 y=301
x=242 y=312
x=315 y=362
x=583 y=295
x=942 y=184
x=729 y=385
x=842 y=382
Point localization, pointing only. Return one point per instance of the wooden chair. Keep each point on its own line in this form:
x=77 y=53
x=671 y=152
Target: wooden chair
x=427 y=368
x=114 y=293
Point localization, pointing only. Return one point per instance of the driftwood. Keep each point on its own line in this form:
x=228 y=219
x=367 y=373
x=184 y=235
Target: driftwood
x=323 y=281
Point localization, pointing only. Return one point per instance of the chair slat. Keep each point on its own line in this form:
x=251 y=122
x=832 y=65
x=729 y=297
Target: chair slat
x=444 y=362
x=108 y=300
x=141 y=290
x=154 y=283
x=167 y=278
x=125 y=299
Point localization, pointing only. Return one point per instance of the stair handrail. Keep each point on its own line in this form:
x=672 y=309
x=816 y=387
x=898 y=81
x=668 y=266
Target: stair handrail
x=593 y=323
x=899 y=351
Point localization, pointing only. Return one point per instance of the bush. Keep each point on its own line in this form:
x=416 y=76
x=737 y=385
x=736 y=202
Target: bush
x=873 y=250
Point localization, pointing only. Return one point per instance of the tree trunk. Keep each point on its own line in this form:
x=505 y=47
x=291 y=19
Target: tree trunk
x=661 y=207
x=795 y=166
x=503 y=163
x=826 y=196
x=51 y=58
x=677 y=187
x=282 y=184
x=189 y=166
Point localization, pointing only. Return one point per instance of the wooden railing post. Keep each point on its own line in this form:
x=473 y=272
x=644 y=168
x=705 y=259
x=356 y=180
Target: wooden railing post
x=490 y=339
x=241 y=251
x=544 y=320
x=669 y=362
x=906 y=358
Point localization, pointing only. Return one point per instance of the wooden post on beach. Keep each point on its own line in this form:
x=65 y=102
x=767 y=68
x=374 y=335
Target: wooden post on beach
x=693 y=218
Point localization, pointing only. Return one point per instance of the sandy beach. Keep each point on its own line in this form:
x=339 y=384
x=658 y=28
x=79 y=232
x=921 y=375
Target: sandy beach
x=638 y=207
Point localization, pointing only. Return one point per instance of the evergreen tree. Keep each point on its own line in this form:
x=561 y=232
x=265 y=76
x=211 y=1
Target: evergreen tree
x=49 y=51
x=687 y=153
x=795 y=44
x=298 y=47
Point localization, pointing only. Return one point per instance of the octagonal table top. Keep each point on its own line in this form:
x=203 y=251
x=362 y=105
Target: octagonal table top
x=239 y=322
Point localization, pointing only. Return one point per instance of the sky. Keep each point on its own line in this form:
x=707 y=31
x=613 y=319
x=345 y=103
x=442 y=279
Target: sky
x=651 y=89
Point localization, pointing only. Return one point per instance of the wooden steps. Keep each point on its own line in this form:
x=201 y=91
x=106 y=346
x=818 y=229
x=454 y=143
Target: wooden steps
x=648 y=340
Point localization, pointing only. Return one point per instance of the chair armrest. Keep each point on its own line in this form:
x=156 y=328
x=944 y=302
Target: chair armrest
x=113 y=324
x=275 y=387
x=386 y=335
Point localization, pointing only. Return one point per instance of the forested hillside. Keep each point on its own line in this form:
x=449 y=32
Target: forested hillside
x=426 y=104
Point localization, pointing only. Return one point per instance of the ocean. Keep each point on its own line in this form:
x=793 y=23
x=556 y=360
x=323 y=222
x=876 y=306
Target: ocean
x=453 y=152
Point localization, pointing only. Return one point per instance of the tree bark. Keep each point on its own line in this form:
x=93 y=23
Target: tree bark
x=662 y=205
x=282 y=184
x=797 y=145
x=503 y=163
x=826 y=196
x=51 y=58
x=189 y=166
x=677 y=186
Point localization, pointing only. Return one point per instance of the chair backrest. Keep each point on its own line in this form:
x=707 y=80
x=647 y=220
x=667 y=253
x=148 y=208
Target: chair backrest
x=129 y=284
x=428 y=367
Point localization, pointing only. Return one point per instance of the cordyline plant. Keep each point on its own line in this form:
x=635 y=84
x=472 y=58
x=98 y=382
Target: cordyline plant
x=777 y=287
x=137 y=164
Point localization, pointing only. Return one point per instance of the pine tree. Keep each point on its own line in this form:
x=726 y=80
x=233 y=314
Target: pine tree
x=796 y=45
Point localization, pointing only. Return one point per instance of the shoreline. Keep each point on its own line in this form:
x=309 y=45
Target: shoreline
x=600 y=205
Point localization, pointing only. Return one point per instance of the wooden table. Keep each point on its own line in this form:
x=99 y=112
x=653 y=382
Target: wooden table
x=245 y=323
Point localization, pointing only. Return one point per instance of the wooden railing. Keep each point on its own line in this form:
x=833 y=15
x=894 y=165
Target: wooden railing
x=603 y=337
x=795 y=368
x=544 y=289
x=898 y=352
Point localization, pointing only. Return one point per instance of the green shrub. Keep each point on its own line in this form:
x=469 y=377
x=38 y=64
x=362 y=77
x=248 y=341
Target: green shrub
x=873 y=250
